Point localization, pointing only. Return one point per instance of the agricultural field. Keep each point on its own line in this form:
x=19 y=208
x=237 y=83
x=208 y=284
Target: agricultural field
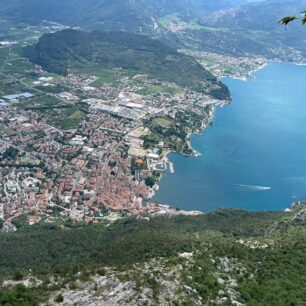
x=67 y=118
x=105 y=76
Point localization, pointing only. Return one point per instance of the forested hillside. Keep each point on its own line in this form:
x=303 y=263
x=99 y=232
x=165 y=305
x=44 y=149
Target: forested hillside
x=229 y=255
x=72 y=50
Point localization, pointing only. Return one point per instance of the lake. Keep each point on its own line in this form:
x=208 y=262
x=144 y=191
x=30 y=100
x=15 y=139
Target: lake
x=254 y=155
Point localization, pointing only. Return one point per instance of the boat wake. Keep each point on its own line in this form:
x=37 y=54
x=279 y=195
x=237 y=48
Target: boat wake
x=255 y=188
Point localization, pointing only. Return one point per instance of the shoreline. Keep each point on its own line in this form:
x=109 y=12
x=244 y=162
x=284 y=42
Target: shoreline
x=195 y=153
x=287 y=62
x=201 y=130
x=205 y=124
x=249 y=75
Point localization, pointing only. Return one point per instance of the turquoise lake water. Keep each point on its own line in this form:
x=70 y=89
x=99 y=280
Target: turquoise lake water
x=254 y=156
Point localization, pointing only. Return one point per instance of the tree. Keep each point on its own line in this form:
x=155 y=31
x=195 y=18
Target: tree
x=286 y=20
x=10 y=153
x=150 y=181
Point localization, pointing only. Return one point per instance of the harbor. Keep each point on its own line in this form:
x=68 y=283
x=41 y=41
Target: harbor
x=164 y=165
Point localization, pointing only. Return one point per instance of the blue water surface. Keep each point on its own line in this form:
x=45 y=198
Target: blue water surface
x=254 y=156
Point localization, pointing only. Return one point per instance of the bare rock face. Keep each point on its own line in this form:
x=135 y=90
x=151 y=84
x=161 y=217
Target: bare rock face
x=104 y=291
x=300 y=218
x=151 y=283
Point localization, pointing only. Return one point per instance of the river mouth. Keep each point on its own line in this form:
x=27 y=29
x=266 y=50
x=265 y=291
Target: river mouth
x=253 y=156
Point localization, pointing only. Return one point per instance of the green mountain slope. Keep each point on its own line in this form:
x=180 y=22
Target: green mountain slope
x=229 y=255
x=72 y=50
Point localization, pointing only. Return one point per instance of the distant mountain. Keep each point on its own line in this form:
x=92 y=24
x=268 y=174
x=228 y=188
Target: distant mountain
x=262 y=16
x=77 y=50
x=132 y=15
x=103 y=14
x=254 y=29
x=232 y=27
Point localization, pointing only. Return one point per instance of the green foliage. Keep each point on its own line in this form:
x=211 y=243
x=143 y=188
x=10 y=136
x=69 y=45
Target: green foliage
x=163 y=122
x=154 y=89
x=150 y=141
x=105 y=76
x=20 y=221
x=280 y=279
x=48 y=247
x=18 y=276
x=40 y=102
x=69 y=118
x=173 y=132
x=112 y=163
x=10 y=153
x=274 y=275
x=18 y=296
x=288 y=19
x=150 y=181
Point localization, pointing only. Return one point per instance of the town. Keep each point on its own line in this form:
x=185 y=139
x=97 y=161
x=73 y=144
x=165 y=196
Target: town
x=87 y=148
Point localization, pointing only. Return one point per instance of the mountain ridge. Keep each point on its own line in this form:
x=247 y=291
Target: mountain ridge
x=100 y=12
x=203 y=25
x=74 y=50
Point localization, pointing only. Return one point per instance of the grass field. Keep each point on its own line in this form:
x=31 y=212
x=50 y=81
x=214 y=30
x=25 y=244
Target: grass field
x=105 y=76
x=17 y=66
x=68 y=118
x=158 y=89
x=163 y=122
x=28 y=160
x=8 y=86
